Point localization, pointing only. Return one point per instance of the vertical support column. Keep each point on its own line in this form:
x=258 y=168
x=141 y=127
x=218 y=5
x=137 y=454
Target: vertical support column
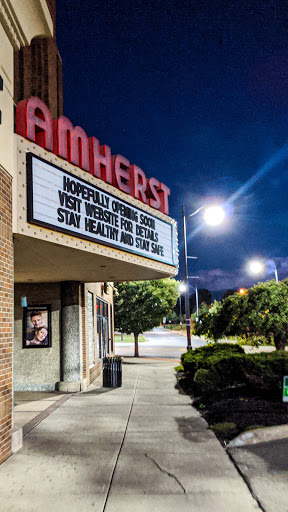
x=71 y=338
x=6 y=313
x=85 y=334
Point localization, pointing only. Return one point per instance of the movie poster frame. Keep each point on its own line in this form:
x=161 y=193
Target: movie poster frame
x=26 y=311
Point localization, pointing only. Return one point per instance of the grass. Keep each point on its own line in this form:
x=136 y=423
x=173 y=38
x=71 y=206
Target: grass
x=128 y=338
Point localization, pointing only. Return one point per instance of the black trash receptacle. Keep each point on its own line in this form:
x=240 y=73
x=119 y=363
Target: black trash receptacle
x=112 y=372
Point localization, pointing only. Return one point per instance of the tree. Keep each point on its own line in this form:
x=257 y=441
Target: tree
x=204 y=297
x=265 y=312
x=261 y=311
x=208 y=323
x=228 y=293
x=140 y=305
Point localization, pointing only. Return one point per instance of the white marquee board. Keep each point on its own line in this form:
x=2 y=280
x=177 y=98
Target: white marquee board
x=61 y=201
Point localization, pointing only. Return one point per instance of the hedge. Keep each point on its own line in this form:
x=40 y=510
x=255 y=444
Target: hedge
x=220 y=366
x=203 y=357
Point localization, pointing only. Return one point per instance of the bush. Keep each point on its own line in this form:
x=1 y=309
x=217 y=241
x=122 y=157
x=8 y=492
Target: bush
x=221 y=366
x=201 y=357
x=179 y=368
x=225 y=431
x=205 y=378
x=267 y=371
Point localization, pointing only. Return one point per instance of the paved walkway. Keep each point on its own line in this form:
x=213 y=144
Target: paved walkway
x=138 y=448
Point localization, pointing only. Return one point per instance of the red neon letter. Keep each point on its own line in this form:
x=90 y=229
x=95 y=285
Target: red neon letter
x=120 y=174
x=164 y=192
x=34 y=122
x=71 y=143
x=153 y=193
x=138 y=183
x=100 y=160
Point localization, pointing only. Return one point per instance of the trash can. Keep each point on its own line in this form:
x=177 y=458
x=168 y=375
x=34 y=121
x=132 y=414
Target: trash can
x=112 y=372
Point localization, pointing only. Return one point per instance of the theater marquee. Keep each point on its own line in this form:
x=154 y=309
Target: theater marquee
x=59 y=200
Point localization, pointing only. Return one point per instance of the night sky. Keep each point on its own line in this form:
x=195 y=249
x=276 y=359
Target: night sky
x=196 y=94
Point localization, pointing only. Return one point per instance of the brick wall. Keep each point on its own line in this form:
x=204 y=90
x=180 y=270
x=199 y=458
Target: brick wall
x=38 y=72
x=6 y=313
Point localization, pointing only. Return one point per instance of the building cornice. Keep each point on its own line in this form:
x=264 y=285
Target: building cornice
x=11 y=26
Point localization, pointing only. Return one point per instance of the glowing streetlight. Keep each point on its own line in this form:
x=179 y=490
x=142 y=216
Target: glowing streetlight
x=213 y=216
x=257 y=267
x=242 y=291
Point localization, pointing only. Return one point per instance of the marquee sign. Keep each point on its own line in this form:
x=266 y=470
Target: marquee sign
x=34 y=122
x=61 y=201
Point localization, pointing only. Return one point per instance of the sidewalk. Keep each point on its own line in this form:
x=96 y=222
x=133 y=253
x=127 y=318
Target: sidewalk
x=138 y=448
x=261 y=456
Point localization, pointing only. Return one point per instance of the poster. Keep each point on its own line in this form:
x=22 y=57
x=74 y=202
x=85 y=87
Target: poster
x=37 y=326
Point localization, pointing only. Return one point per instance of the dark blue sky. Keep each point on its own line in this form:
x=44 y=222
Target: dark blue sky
x=195 y=93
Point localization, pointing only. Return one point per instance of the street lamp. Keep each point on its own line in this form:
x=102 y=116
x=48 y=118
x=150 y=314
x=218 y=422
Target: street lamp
x=213 y=216
x=182 y=289
x=196 y=300
x=257 y=267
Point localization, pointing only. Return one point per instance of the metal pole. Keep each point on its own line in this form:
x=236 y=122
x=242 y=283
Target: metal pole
x=187 y=305
x=180 y=304
x=276 y=274
x=197 y=303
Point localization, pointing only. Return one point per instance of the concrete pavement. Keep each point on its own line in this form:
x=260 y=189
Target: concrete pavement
x=265 y=467
x=138 y=448
x=262 y=457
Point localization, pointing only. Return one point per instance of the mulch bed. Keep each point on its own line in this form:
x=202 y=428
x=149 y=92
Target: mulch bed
x=240 y=406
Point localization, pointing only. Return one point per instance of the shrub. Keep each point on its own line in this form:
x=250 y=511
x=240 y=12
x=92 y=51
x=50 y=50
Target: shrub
x=201 y=357
x=206 y=378
x=222 y=366
x=179 y=368
x=230 y=369
x=252 y=427
x=225 y=431
x=266 y=371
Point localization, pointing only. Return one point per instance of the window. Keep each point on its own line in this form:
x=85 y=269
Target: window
x=102 y=328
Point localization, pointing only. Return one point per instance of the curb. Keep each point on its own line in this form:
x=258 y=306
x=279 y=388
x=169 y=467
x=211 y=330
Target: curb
x=260 y=435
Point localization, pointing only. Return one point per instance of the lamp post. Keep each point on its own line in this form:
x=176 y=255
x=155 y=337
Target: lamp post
x=187 y=305
x=196 y=298
x=258 y=267
x=182 y=289
x=213 y=215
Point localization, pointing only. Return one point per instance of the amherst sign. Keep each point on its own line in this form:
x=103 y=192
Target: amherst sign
x=34 y=122
x=59 y=200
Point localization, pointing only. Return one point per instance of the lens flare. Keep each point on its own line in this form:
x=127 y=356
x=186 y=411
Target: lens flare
x=255 y=267
x=214 y=215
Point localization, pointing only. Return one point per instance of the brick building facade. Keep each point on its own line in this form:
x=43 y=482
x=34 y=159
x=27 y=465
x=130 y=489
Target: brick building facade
x=58 y=261
x=6 y=313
